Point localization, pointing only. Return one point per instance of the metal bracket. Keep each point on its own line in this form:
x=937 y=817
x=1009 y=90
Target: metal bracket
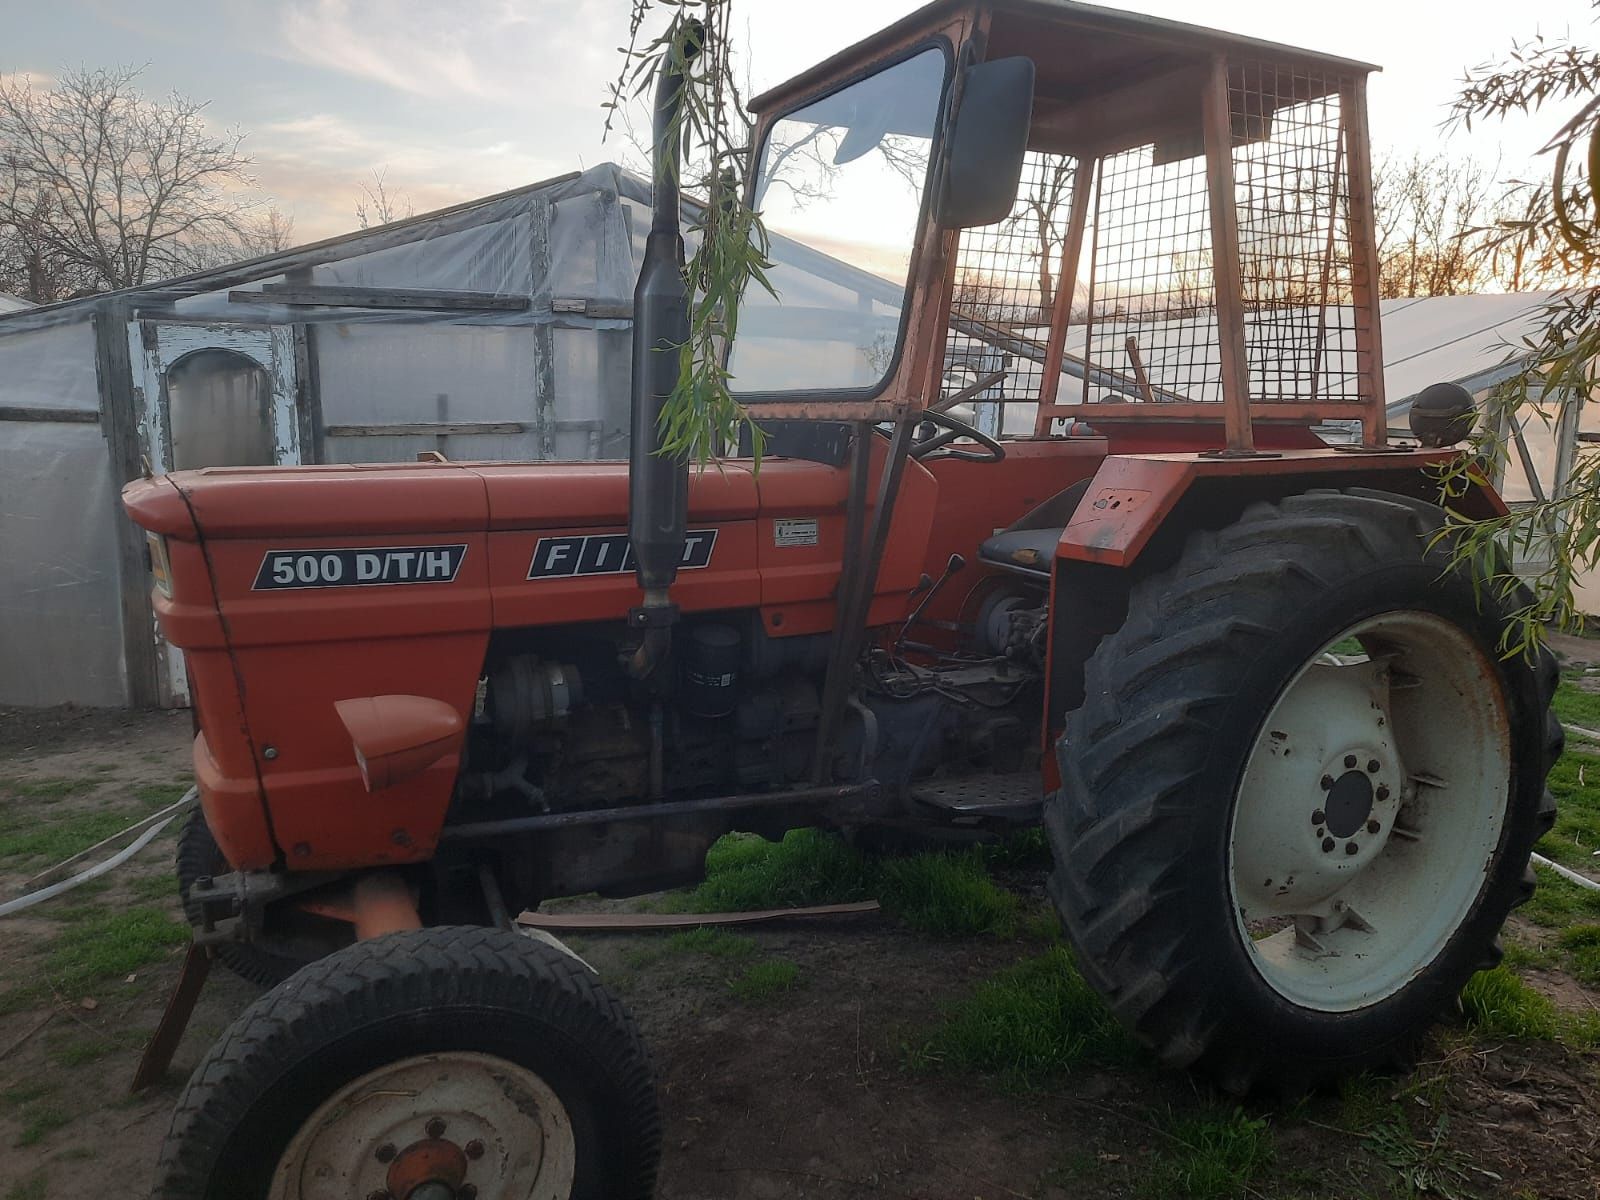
x=233 y=906
x=656 y=617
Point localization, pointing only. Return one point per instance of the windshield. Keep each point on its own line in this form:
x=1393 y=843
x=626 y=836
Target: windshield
x=839 y=187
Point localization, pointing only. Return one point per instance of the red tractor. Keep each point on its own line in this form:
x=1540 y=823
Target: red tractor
x=1046 y=530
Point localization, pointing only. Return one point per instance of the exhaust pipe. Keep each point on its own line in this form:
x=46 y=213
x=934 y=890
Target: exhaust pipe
x=658 y=484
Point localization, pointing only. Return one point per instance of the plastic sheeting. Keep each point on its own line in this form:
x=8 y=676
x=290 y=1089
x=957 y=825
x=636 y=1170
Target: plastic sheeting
x=60 y=619
x=50 y=368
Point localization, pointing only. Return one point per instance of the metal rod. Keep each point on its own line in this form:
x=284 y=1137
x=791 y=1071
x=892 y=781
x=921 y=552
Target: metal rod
x=548 y=822
x=856 y=604
x=1138 y=369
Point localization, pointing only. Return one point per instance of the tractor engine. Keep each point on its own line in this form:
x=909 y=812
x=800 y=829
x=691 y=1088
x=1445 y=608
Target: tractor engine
x=560 y=725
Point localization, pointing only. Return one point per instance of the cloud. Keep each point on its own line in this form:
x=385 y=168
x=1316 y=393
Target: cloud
x=484 y=49
x=314 y=166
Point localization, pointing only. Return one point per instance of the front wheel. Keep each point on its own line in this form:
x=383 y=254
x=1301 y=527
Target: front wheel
x=444 y=1064
x=1299 y=798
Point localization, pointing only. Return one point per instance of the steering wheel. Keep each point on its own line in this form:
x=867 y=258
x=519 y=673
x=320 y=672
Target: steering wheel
x=949 y=430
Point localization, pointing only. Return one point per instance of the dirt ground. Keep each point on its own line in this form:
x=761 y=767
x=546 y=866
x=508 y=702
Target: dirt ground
x=807 y=1092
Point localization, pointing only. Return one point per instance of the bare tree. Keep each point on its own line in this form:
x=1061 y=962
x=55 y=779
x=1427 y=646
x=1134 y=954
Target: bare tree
x=103 y=188
x=269 y=233
x=1432 y=213
x=1045 y=207
x=379 y=206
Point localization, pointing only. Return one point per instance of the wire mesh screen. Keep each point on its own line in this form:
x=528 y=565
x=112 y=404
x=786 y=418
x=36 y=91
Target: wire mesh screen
x=1152 y=312
x=1007 y=280
x=1291 y=183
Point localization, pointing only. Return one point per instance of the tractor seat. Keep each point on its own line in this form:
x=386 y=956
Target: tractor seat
x=1028 y=544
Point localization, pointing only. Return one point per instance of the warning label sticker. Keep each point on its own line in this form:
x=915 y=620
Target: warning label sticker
x=794 y=531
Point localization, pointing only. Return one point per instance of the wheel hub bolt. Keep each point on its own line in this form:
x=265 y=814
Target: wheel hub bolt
x=1327 y=845
x=1373 y=827
x=1372 y=766
x=467 y=1192
x=474 y=1148
x=435 y=1128
x=385 y=1152
x=1349 y=762
x=1318 y=817
x=1383 y=793
x=1351 y=848
x=1327 y=783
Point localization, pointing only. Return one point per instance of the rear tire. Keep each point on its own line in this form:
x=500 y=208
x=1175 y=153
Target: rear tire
x=1179 y=831
x=481 y=1055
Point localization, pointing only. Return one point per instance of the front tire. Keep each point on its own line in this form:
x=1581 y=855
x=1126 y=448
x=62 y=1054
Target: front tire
x=1276 y=920
x=475 y=1060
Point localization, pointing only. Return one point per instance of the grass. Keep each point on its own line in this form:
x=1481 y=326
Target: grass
x=1211 y=1155
x=34 y=1187
x=763 y=982
x=58 y=839
x=39 y=1121
x=159 y=795
x=1558 y=902
x=38 y=1114
x=1367 y=1101
x=1575 y=782
x=1580 y=945
x=1576 y=706
x=1499 y=1004
x=946 y=894
x=50 y=789
x=1427 y=1166
x=1035 y=1019
x=718 y=943
x=154 y=887
x=745 y=872
x=108 y=944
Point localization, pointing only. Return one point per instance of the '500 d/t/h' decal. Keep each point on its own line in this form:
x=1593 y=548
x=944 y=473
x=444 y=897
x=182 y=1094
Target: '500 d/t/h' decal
x=358 y=565
x=607 y=554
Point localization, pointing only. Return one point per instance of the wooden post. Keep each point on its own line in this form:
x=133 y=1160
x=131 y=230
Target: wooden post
x=308 y=393
x=544 y=338
x=1066 y=286
x=1364 y=291
x=1218 y=121
x=120 y=426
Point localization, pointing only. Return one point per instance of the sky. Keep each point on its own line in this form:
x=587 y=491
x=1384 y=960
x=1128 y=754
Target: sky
x=451 y=101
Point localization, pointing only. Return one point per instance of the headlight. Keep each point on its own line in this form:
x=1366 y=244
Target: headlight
x=160 y=568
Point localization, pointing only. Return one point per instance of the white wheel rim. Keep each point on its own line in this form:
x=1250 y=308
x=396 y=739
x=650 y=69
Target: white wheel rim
x=1344 y=894
x=446 y=1126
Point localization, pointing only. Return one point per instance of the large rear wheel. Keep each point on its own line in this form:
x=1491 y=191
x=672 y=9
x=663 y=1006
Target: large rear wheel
x=1299 y=798
x=441 y=1064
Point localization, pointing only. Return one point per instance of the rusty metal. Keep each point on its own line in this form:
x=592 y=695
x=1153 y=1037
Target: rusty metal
x=1138 y=370
x=163 y=1043
x=382 y=903
x=432 y=1161
x=580 y=818
x=617 y=922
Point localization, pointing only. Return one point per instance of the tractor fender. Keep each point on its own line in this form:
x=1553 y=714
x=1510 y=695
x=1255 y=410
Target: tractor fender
x=1133 y=496
x=1140 y=508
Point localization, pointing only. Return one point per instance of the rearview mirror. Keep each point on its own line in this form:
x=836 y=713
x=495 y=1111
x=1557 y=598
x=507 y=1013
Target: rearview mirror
x=987 y=142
